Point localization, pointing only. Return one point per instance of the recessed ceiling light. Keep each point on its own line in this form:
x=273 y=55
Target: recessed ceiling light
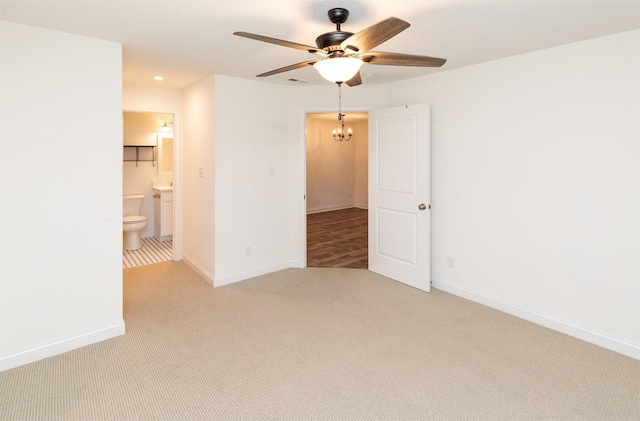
x=158 y=78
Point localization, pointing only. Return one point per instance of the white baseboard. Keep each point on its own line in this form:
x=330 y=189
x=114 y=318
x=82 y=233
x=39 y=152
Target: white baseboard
x=226 y=280
x=328 y=209
x=596 y=338
x=49 y=350
x=202 y=272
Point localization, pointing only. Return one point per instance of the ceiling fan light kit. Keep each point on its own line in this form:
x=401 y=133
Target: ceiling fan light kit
x=343 y=53
x=338 y=70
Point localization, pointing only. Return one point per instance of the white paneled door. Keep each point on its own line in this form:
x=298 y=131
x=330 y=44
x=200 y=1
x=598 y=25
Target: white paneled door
x=399 y=194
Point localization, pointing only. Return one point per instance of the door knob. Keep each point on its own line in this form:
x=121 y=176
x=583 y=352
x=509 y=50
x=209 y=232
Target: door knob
x=422 y=206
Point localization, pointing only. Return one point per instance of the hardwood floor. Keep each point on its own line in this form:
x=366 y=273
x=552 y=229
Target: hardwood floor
x=338 y=239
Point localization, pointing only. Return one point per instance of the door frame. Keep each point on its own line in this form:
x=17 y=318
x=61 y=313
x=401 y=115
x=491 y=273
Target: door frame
x=302 y=212
x=177 y=174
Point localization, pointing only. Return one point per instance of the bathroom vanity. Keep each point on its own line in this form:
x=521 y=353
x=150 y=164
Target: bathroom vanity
x=163 y=212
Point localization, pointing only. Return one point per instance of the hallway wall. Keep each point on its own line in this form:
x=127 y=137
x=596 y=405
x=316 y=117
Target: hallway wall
x=199 y=177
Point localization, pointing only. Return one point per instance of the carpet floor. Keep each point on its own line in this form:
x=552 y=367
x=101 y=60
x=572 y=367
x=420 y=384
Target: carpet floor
x=319 y=344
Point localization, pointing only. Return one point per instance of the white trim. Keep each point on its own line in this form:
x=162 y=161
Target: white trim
x=202 y=272
x=49 y=350
x=329 y=209
x=609 y=342
x=230 y=279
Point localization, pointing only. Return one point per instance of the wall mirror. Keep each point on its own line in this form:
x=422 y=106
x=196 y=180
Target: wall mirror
x=165 y=153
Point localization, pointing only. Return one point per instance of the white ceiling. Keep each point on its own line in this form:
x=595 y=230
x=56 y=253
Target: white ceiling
x=185 y=40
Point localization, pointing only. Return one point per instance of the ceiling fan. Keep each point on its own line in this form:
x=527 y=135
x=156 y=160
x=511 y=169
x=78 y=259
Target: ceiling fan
x=344 y=52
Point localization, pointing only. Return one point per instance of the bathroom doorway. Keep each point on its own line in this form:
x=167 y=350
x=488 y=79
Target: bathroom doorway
x=148 y=170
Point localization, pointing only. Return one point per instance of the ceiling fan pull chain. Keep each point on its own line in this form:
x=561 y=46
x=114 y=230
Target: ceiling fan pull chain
x=339 y=101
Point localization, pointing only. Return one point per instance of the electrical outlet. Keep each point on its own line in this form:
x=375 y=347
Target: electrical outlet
x=450 y=262
x=247 y=251
x=200 y=172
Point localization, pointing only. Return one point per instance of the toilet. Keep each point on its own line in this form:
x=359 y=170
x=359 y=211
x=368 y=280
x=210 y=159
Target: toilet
x=132 y=221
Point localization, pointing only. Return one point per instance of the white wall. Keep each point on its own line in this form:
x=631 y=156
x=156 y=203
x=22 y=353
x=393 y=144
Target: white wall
x=535 y=187
x=252 y=190
x=252 y=173
x=336 y=171
x=331 y=170
x=151 y=99
x=199 y=190
x=61 y=188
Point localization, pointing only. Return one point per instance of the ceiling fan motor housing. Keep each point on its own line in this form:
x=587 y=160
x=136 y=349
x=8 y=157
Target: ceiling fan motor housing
x=332 y=39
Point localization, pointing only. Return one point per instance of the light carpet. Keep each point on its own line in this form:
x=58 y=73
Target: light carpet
x=319 y=344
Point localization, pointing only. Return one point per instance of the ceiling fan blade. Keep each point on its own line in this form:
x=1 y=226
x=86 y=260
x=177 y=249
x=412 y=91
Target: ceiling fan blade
x=287 y=68
x=374 y=35
x=355 y=81
x=308 y=48
x=399 y=59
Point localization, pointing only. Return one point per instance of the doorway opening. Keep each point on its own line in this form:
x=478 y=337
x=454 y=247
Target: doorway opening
x=337 y=191
x=148 y=168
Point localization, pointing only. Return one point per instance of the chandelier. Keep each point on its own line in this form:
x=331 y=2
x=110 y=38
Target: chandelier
x=340 y=135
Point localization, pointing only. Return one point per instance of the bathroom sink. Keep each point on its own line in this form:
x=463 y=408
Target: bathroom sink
x=164 y=187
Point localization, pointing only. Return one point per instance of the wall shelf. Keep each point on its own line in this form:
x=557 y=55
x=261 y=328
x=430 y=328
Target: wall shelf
x=150 y=157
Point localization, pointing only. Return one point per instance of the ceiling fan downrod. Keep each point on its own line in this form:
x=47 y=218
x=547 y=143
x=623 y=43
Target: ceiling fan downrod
x=332 y=40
